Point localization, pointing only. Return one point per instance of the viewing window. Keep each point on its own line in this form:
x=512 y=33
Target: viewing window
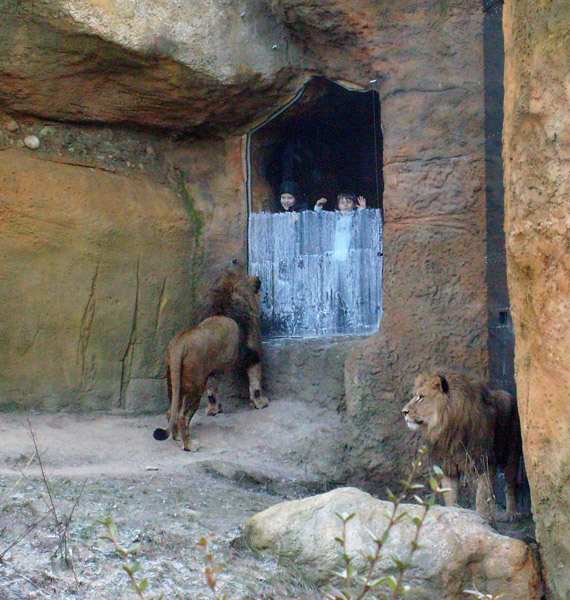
x=321 y=272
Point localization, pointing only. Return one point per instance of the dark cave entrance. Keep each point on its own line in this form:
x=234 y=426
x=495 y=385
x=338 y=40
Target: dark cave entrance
x=328 y=140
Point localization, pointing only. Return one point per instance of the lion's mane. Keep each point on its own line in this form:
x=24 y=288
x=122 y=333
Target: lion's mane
x=235 y=296
x=461 y=432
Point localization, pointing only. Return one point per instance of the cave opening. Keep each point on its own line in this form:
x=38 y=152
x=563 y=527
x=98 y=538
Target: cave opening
x=327 y=140
x=321 y=272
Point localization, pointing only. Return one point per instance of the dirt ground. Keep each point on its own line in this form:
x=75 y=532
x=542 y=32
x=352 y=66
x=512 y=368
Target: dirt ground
x=165 y=499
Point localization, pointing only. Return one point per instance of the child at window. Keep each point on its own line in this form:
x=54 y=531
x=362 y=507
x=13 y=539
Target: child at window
x=289 y=198
x=346 y=202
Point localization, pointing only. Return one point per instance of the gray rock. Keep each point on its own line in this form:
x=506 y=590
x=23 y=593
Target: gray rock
x=458 y=550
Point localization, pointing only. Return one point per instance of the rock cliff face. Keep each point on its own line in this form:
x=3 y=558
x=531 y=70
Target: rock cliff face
x=537 y=202
x=144 y=200
x=136 y=193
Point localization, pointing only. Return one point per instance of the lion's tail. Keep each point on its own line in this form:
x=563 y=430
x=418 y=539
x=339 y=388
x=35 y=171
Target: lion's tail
x=173 y=379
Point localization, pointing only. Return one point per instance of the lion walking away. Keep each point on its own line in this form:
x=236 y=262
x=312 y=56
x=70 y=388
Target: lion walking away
x=469 y=431
x=195 y=358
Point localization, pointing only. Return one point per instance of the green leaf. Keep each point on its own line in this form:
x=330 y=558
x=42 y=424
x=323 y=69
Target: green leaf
x=341 y=574
x=134 y=548
x=433 y=484
x=402 y=565
x=345 y=517
x=368 y=557
x=143 y=585
x=390 y=496
x=334 y=594
x=136 y=566
x=372 y=536
x=437 y=471
x=391 y=582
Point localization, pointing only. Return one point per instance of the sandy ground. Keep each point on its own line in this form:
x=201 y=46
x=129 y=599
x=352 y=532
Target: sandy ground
x=165 y=499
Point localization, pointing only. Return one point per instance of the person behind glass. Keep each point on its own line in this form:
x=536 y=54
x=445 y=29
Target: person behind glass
x=346 y=202
x=289 y=198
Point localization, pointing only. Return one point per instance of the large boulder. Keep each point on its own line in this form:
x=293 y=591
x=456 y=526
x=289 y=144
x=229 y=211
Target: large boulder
x=458 y=550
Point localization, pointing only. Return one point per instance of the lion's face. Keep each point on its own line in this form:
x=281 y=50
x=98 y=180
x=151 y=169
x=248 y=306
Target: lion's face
x=423 y=411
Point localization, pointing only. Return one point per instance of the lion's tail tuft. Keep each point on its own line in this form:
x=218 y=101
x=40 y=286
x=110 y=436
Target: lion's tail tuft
x=160 y=434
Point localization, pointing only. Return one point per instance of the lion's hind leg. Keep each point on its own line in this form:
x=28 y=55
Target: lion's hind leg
x=190 y=406
x=163 y=434
x=214 y=405
x=511 y=491
x=255 y=393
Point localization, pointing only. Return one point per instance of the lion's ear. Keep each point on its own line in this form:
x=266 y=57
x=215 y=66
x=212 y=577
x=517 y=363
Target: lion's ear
x=255 y=283
x=439 y=383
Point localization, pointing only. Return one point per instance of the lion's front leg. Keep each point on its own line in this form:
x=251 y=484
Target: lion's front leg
x=452 y=485
x=255 y=394
x=485 y=500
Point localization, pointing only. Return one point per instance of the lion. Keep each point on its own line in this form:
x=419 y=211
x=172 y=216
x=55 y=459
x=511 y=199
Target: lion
x=470 y=431
x=228 y=336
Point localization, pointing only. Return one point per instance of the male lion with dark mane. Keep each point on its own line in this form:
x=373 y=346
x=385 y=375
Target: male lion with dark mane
x=470 y=431
x=229 y=335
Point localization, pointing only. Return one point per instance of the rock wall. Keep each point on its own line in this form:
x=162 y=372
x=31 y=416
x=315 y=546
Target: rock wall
x=434 y=239
x=146 y=101
x=103 y=268
x=536 y=158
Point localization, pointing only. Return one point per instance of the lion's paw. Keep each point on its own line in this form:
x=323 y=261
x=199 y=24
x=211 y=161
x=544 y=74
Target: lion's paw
x=192 y=447
x=509 y=517
x=212 y=411
x=260 y=402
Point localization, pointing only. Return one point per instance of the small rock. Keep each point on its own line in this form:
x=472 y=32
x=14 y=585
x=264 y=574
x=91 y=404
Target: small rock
x=32 y=142
x=12 y=125
x=152 y=468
